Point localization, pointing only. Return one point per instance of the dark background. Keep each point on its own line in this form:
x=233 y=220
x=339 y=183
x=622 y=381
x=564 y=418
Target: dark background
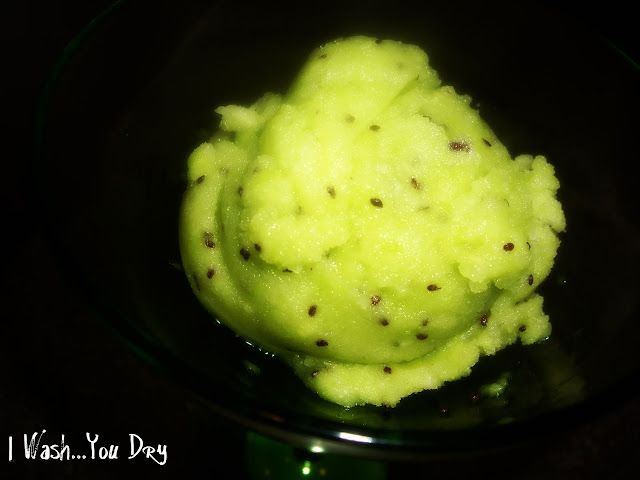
x=62 y=371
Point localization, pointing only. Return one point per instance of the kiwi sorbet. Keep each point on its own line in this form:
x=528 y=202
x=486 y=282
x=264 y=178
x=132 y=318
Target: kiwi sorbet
x=368 y=227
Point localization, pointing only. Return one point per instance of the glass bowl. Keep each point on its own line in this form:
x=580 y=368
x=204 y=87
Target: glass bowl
x=134 y=94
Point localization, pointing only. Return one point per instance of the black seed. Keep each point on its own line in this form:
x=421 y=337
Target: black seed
x=324 y=55
x=322 y=343
x=374 y=128
x=208 y=240
x=286 y=270
x=375 y=299
x=486 y=142
x=425 y=322
x=458 y=146
x=257 y=247
x=387 y=369
x=332 y=192
x=200 y=179
x=508 y=247
x=522 y=328
x=240 y=190
x=376 y=202
x=210 y=273
x=530 y=279
x=483 y=320
x=350 y=119
x=422 y=336
x=245 y=253
x=196 y=283
x=415 y=183
x=433 y=287
x=378 y=41
x=314 y=374
x=384 y=322
x=529 y=245
x=312 y=310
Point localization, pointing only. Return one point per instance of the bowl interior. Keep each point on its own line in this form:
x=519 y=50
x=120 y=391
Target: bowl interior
x=135 y=94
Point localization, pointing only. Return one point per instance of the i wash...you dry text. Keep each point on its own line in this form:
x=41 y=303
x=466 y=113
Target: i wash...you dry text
x=37 y=449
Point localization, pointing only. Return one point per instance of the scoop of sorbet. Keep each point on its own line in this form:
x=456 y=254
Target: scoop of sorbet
x=369 y=227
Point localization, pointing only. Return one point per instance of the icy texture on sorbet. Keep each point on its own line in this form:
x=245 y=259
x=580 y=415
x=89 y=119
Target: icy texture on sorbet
x=369 y=227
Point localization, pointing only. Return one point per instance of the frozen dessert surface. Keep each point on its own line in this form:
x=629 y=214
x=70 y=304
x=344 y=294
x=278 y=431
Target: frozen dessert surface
x=368 y=226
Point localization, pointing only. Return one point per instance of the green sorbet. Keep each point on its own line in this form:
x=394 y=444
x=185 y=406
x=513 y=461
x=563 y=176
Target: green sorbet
x=368 y=227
